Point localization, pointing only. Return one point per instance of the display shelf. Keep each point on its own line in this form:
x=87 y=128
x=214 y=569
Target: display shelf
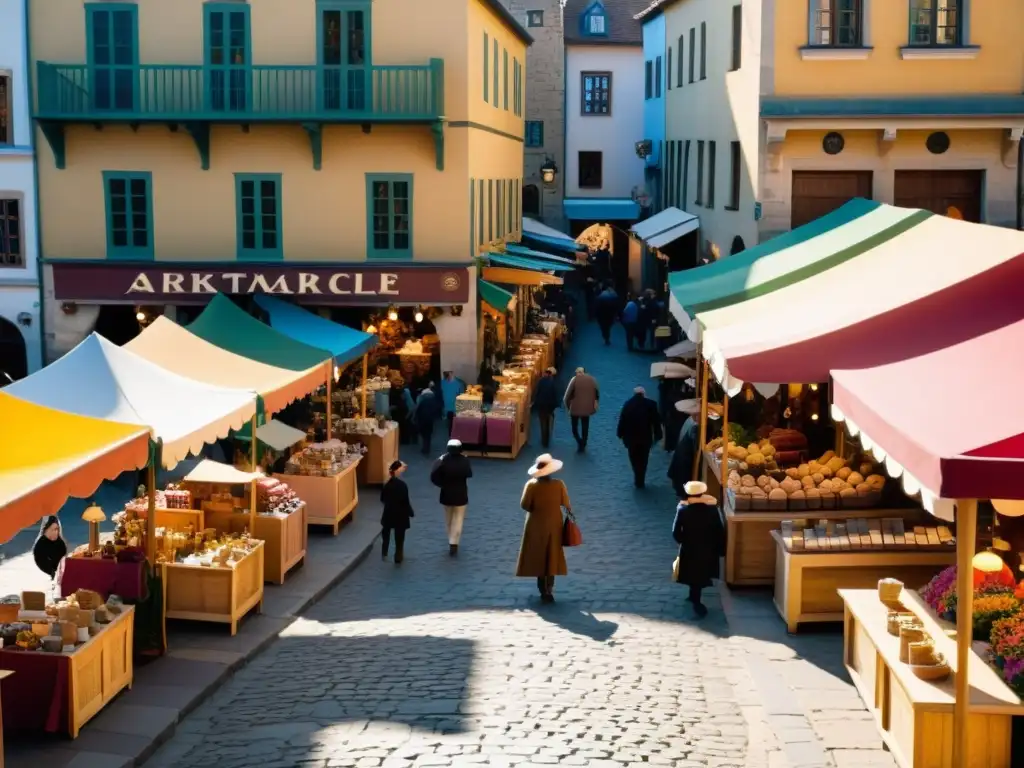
x=750 y=551
x=381 y=451
x=284 y=537
x=914 y=716
x=219 y=595
x=180 y=519
x=807 y=583
x=329 y=500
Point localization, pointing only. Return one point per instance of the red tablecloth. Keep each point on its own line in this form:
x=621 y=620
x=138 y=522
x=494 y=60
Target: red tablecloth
x=468 y=429
x=500 y=432
x=35 y=697
x=108 y=577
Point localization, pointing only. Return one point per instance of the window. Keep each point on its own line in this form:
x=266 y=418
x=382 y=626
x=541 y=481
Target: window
x=487 y=58
x=590 y=170
x=737 y=37
x=710 y=203
x=516 y=85
x=693 y=52
x=935 y=22
x=495 y=72
x=258 y=215
x=389 y=216
x=531 y=200
x=680 y=67
x=699 y=199
x=836 y=23
x=129 y=215
x=595 y=22
x=11 y=252
x=504 y=74
x=343 y=52
x=535 y=18
x=648 y=79
x=6 y=125
x=480 y=208
x=499 y=195
x=657 y=78
x=535 y=133
x=112 y=33
x=734 y=176
x=682 y=169
x=596 y=95
x=703 y=51
x=668 y=70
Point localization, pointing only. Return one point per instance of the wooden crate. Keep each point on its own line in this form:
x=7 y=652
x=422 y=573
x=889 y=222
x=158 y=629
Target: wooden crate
x=329 y=500
x=100 y=669
x=180 y=519
x=220 y=595
x=284 y=540
x=915 y=717
x=381 y=451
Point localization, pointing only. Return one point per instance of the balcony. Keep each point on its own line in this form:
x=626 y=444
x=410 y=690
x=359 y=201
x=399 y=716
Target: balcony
x=197 y=97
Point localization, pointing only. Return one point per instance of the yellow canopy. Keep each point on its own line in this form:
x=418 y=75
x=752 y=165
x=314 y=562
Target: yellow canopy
x=48 y=455
x=512 y=276
x=176 y=349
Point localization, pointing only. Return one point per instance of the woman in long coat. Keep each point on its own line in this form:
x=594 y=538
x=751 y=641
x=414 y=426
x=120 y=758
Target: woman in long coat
x=540 y=553
x=397 y=511
x=698 y=531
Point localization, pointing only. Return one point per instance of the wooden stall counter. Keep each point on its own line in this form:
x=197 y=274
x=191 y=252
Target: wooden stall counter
x=381 y=452
x=915 y=716
x=61 y=692
x=807 y=583
x=329 y=500
x=284 y=536
x=750 y=552
x=219 y=595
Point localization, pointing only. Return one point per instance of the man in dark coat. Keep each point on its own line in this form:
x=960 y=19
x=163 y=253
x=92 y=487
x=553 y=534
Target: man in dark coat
x=451 y=474
x=697 y=529
x=397 y=511
x=639 y=429
x=680 y=469
x=607 y=309
x=545 y=402
x=427 y=410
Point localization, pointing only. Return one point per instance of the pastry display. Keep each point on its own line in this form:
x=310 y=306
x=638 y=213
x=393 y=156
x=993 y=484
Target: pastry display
x=861 y=534
x=274 y=497
x=329 y=458
x=62 y=626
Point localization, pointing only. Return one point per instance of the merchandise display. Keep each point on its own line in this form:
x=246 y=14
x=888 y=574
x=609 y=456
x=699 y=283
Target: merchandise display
x=854 y=534
x=379 y=440
x=328 y=458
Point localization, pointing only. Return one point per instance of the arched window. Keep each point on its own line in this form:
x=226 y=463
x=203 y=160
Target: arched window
x=531 y=200
x=738 y=246
x=13 y=357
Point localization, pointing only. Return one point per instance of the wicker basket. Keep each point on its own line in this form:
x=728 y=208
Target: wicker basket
x=910 y=633
x=932 y=672
x=889 y=590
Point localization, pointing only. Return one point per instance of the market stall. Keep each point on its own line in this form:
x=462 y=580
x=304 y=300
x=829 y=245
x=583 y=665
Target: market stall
x=380 y=439
x=497 y=431
x=324 y=476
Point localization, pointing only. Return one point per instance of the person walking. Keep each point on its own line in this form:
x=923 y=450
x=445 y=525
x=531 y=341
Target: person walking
x=425 y=414
x=631 y=320
x=545 y=403
x=697 y=529
x=50 y=547
x=680 y=469
x=606 y=306
x=397 y=511
x=451 y=387
x=639 y=429
x=451 y=473
x=581 y=399
x=540 y=553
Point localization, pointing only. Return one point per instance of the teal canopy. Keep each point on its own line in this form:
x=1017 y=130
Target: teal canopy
x=231 y=328
x=346 y=344
x=526 y=262
x=519 y=250
x=494 y=295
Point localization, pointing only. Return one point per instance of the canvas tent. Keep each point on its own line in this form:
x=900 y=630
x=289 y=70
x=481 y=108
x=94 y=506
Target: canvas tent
x=344 y=343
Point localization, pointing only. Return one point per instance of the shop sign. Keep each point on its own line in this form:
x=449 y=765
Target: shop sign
x=195 y=284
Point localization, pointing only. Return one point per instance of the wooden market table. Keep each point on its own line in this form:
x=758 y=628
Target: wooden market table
x=61 y=692
x=915 y=716
x=329 y=500
x=807 y=582
x=520 y=436
x=219 y=595
x=381 y=451
x=749 y=550
x=284 y=536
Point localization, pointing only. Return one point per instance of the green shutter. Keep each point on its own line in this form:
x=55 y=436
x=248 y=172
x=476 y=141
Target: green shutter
x=129 y=205
x=504 y=73
x=472 y=218
x=495 y=73
x=487 y=55
x=258 y=216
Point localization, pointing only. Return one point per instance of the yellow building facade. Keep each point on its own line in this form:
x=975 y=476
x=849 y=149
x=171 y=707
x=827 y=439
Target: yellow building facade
x=346 y=137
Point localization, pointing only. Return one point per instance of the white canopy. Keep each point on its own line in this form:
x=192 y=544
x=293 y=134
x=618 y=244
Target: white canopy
x=671 y=371
x=104 y=381
x=665 y=227
x=684 y=348
x=210 y=471
x=278 y=435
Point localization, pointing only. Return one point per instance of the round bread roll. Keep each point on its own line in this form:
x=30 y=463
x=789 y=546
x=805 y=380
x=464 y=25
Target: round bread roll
x=813 y=466
x=777 y=495
x=875 y=481
x=812 y=493
x=847 y=493
x=844 y=473
x=835 y=464
x=763 y=482
x=855 y=478
x=866 y=468
x=825 y=486
x=745 y=490
x=864 y=489
x=798 y=495
x=773 y=483
x=807 y=482
x=792 y=472
x=818 y=478
x=748 y=481
x=826 y=472
x=757 y=493
x=753 y=448
x=803 y=470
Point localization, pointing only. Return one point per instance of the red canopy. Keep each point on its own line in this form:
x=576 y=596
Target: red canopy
x=951 y=418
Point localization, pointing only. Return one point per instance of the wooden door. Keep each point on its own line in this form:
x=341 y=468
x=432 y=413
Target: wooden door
x=816 y=193
x=947 y=193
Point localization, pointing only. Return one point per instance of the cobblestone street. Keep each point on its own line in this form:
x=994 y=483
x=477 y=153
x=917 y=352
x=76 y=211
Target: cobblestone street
x=453 y=661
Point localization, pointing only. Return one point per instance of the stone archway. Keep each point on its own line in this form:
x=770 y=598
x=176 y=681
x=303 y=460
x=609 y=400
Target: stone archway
x=13 y=354
x=738 y=246
x=531 y=200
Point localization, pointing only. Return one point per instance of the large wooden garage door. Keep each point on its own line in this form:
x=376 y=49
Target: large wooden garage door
x=940 y=192
x=816 y=193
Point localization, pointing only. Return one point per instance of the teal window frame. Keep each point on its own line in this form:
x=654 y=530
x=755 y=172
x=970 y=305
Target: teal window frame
x=129 y=252
x=504 y=72
x=472 y=218
x=344 y=72
x=94 y=69
x=259 y=252
x=595 y=9
x=389 y=254
x=487 y=59
x=228 y=69
x=480 y=213
x=496 y=73
x=932 y=27
x=534 y=133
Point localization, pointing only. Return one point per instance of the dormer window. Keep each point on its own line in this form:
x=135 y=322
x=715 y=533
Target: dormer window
x=595 y=21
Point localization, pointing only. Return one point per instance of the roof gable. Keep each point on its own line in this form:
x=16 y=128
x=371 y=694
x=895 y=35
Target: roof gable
x=617 y=22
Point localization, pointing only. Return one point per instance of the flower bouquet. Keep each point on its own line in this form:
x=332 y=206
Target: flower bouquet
x=990 y=608
x=1008 y=650
x=940 y=593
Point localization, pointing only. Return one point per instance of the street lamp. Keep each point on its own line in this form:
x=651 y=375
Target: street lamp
x=548 y=172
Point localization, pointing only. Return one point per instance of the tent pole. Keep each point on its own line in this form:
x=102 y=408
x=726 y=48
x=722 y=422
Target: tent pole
x=698 y=459
x=252 y=448
x=252 y=488
x=366 y=363
x=151 y=511
x=725 y=445
x=330 y=380
x=966 y=534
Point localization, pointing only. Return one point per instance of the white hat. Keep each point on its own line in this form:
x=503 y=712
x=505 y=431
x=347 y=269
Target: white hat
x=639 y=391
x=544 y=465
x=454 y=443
x=552 y=370
x=579 y=370
x=695 y=488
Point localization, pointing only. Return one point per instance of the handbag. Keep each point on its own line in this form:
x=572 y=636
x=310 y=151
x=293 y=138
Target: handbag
x=675 y=570
x=572 y=536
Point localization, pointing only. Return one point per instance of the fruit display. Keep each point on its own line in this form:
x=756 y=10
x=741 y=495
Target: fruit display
x=825 y=483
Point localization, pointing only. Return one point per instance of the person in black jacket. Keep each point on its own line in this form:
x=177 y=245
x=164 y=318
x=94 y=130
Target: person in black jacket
x=639 y=429
x=697 y=529
x=50 y=547
x=451 y=473
x=545 y=402
x=397 y=511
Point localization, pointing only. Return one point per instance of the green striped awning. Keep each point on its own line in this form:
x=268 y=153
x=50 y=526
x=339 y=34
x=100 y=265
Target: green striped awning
x=497 y=297
x=528 y=262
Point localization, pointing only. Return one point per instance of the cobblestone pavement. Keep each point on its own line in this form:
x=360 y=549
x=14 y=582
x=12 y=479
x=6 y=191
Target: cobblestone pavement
x=453 y=661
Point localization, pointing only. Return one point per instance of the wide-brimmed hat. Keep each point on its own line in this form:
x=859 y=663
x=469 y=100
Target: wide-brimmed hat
x=544 y=465
x=695 y=488
x=454 y=443
x=692 y=408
